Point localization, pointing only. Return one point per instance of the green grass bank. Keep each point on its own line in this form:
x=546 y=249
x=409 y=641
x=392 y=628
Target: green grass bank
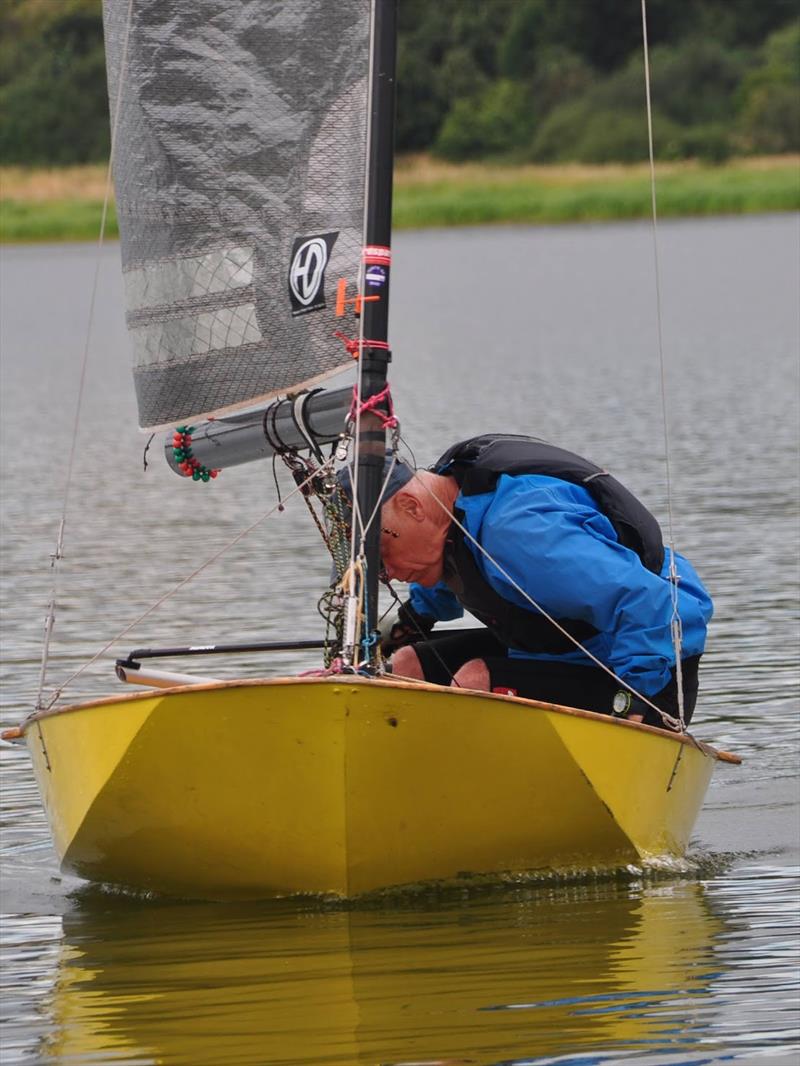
x=66 y=205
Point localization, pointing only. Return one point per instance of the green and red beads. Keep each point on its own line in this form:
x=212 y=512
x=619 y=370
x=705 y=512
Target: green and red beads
x=187 y=464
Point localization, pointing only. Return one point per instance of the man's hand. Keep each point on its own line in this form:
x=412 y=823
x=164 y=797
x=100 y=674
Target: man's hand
x=634 y=709
x=404 y=627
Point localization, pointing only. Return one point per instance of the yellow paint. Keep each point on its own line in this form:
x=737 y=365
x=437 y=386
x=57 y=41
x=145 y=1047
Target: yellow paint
x=590 y=967
x=254 y=789
x=75 y=752
x=653 y=786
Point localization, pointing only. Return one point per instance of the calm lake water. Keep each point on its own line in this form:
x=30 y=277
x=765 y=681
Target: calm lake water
x=547 y=331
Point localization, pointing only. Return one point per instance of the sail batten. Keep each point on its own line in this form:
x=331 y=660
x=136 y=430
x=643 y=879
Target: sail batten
x=239 y=170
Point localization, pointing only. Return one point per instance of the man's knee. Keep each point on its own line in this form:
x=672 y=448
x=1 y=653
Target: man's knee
x=473 y=674
x=405 y=663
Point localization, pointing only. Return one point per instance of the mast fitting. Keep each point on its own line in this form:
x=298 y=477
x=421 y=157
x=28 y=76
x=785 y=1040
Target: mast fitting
x=379 y=404
x=357 y=301
x=355 y=346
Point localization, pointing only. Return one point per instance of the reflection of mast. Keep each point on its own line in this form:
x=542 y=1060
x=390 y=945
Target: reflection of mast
x=529 y=970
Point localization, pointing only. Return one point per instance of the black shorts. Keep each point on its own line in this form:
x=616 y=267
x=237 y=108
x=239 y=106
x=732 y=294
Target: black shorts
x=568 y=684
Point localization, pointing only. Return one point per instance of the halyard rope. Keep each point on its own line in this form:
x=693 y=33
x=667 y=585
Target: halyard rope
x=358 y=561
x=675 y=622
x=58 y=554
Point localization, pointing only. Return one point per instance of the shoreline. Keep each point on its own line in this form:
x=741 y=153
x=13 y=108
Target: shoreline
x=38 y=205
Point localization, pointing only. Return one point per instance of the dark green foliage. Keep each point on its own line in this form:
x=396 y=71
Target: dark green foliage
x=695 y=81
x=584 y=131
x=711 y=142
x=770 y=95
x=602 y=32
x=447 y=52
x=501 y=119
x=52 y=83
x=737 y=22
x=693 y=87
x=541 y=79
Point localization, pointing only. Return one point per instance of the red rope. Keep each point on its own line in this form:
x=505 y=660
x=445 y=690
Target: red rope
x=351 y=345
x=336 y=667
x=388 y=419
x=354 y=345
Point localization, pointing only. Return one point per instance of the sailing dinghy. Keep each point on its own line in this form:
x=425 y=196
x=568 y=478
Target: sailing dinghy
x=252 y=148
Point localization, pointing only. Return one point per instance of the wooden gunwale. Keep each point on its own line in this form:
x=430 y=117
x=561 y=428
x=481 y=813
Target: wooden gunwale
x=394 y=683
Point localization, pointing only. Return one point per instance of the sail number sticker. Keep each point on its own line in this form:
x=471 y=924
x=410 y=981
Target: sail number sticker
x=310 y=256
x=375 y=277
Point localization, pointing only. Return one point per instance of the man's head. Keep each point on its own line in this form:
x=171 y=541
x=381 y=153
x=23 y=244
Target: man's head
x=396 y=474
x=415 y=517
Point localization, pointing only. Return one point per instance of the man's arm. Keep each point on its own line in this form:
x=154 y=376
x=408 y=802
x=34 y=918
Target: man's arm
x=563 y=553
x=416 y=617
x=437 y=602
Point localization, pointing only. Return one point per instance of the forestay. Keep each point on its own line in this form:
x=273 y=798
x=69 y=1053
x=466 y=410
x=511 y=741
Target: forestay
x=239 y=164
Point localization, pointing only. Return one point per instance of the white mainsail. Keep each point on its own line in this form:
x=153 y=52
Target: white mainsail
x=239 y=162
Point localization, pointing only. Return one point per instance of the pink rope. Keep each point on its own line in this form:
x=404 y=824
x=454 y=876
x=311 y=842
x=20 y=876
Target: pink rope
x=388 y=419
x=353 y=345
x=336 y=667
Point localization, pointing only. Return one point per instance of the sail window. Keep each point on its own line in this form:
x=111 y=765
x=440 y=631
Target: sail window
x=192 y=335
x=168 y=282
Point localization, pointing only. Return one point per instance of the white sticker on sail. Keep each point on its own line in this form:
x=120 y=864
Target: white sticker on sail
x=310 y=256
x=166 y=282
x=180 y=339
x=307 y=271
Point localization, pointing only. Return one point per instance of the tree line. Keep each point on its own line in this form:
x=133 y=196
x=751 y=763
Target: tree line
x=517 y=80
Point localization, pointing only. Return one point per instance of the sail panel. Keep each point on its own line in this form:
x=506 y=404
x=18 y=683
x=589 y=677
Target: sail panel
x=239 y=162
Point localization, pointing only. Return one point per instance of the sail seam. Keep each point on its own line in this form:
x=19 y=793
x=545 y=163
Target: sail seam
x=166 y=312
x=134 y=263
x=250 y=348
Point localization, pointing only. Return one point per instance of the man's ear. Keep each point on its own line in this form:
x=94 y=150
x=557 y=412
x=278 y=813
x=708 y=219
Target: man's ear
x=408 y=504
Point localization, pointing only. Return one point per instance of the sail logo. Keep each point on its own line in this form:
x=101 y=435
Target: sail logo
x=310 y=256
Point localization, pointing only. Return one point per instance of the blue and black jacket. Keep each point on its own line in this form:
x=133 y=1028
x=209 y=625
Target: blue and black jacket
x=580 y=545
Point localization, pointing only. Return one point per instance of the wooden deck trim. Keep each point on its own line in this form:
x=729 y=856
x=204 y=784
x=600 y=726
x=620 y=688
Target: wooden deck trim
x=389 y=682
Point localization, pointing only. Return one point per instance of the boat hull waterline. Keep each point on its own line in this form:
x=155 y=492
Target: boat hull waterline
x=346 y=785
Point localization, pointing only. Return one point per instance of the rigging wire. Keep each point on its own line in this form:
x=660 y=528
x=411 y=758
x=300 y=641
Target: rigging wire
x=423 y=636
x=185 y=581
x=358 y=563
x=354 y=552
x=56 y=557
x=675 y=622
x=359 y=527
x=674 y=723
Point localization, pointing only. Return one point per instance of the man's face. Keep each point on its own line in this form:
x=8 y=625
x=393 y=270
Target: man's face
x=412 y=546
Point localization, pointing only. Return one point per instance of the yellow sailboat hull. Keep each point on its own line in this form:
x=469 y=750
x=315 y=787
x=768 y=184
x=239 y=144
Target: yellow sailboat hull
x=347 y=785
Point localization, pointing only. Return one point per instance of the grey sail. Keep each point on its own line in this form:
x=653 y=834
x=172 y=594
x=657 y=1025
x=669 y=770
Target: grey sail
x=239 y=161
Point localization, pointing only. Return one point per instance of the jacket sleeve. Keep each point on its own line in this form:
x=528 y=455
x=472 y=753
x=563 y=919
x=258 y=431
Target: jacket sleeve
x=437 y=602
x=562 y=552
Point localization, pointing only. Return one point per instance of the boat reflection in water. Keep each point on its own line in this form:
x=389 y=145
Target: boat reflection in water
x=502 y=975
